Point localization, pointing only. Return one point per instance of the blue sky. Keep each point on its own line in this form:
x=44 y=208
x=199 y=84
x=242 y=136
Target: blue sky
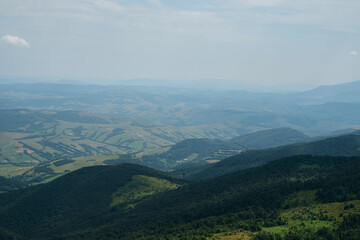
x=273 y=43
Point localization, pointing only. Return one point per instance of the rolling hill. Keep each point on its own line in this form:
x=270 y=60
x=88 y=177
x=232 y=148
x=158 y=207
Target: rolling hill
x=31 y=137
x=193 y=154
x=187 y=153
x=301 y=196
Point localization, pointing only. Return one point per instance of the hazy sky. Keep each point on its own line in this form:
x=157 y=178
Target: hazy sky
x=266 y=42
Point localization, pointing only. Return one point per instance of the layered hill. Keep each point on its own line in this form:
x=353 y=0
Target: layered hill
x=271 y=138
x=187 y=153
x=347 y=145
x=299 y=195
x=195 y=154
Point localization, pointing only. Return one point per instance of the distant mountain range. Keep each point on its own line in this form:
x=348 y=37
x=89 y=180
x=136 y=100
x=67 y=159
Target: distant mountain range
x=346 y=92
x=321 y=110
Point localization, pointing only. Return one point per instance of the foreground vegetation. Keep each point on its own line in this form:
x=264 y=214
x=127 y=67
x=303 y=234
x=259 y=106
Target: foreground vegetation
x=300 y=197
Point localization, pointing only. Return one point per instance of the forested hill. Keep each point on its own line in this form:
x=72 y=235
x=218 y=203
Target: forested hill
x=78 y=199
x=347 y=145
x=7 y=184
x=271 y=138
x=79 y=205
x=194 y=152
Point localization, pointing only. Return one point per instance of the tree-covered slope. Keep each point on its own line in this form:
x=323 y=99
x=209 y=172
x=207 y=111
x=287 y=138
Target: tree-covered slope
x=193 y=152
x=347 y=145
x=78 y=205
x=7 y=184
x=79 y=199
x=244 y=201
x=203 y=147
x=270 y=138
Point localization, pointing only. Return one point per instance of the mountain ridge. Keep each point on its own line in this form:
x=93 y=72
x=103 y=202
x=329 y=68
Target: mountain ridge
x=346 y=145
x=271 y=138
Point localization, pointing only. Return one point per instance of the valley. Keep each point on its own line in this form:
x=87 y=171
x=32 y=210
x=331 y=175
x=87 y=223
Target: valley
x=43 y=136
x=158 y=170
x=179 y=120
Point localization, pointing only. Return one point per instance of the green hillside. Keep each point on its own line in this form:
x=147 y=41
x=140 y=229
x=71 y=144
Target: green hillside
x=347 y=145
x=80 y=197
x=271 y=138
x=303 y=197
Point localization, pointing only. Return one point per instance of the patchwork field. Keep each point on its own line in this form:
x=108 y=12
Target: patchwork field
x=29 y=138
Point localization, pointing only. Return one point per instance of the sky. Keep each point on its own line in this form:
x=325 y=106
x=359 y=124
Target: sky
x=274 y=43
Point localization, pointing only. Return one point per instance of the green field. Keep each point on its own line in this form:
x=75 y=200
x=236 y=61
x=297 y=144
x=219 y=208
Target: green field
x=35 y=137
x=48 y=171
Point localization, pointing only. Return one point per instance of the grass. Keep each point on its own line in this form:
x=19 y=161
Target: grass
x=9 y=170
x=312 y=215
x=302 y=198
x=139 y=188
x=82 y=162
x=308 y=215
x=153 y=151
x=79 y=162
x=232 y=236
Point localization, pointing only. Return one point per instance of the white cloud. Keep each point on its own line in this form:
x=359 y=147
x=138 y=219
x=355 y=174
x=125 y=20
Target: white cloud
x=16 y=41
x=353 y=53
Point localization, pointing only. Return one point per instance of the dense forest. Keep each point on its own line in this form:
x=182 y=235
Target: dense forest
x=246 y=202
